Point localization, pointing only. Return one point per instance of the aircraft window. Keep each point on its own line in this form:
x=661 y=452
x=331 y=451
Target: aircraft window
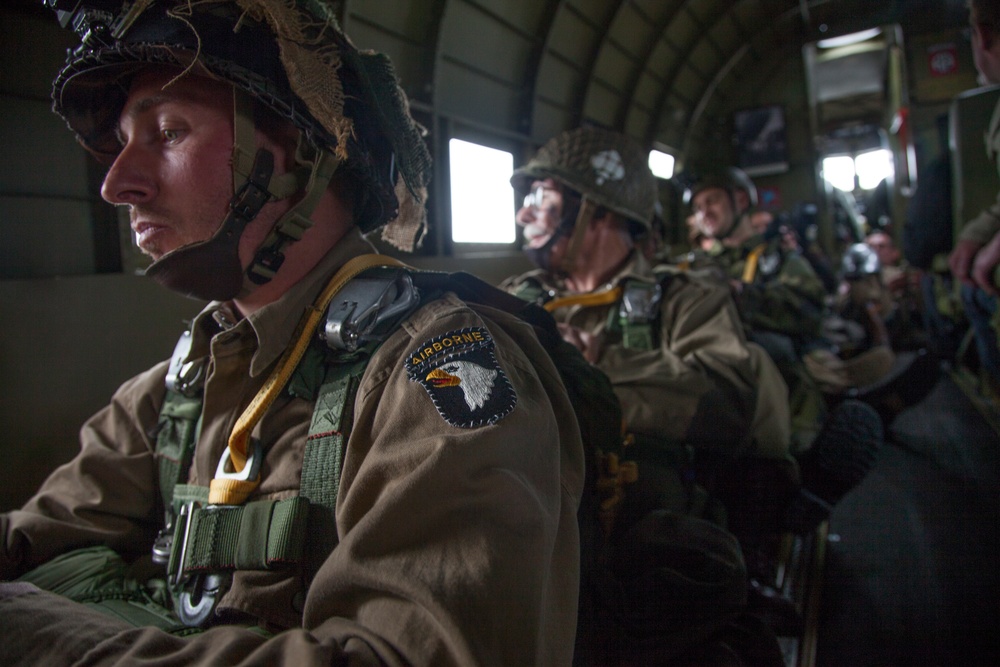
x=873 y=167
x=866 y=170
x=838 y=170
x=661 y=164
x=482 y=199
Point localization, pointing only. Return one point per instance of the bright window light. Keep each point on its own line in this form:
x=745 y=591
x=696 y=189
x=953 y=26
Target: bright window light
x=873 y=167
x=482 y=200
x=661 y=164
x=839 y=172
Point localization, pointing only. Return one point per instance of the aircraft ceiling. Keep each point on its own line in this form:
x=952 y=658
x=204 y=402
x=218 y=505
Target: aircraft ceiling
x=663 y=71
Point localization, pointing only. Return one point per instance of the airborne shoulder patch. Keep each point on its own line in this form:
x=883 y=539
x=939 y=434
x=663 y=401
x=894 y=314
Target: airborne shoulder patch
x=461 y=374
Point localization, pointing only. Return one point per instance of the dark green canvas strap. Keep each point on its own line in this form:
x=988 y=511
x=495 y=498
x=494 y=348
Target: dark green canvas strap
x=323 y=460
x=175 y=440
x=256 y=536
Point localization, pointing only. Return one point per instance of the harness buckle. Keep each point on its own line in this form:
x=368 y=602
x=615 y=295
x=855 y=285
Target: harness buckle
x=251 y=470
x=163 y=544
x=179 y=538
x=195 y=595
x=368 y=307
x=640 y=302
x=185 y=377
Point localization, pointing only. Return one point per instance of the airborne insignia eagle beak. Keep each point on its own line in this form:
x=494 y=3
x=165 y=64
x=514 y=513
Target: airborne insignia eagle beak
x=441 y=378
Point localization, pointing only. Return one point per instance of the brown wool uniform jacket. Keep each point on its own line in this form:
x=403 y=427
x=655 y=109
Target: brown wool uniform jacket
x=458 y=546
x=696 y=386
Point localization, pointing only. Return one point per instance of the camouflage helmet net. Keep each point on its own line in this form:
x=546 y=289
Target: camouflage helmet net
x=609 y=168
x=345 y=100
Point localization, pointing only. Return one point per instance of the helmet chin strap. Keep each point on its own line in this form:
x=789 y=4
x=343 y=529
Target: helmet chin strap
x=737 y=218
x=586 y=213
x=211 y=269
x=575 y=226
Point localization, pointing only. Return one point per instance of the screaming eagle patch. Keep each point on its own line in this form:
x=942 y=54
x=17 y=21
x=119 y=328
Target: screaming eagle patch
x=460 y=372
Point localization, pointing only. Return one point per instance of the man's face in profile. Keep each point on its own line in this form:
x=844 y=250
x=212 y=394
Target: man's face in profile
x=713 y=210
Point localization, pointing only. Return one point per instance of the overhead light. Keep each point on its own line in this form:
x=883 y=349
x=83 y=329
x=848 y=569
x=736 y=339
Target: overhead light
x=846 y=40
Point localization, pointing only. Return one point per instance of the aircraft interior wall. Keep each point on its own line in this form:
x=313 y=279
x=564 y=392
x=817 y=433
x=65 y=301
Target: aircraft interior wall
x=63 y=242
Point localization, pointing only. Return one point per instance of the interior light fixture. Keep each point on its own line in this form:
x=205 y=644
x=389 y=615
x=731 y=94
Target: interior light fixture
x=847 y=40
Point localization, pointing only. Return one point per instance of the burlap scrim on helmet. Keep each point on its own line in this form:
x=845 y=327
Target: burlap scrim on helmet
x=311 y=60
x=308 y=35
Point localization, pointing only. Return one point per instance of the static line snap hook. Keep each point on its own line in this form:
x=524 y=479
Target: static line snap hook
x=195 y=606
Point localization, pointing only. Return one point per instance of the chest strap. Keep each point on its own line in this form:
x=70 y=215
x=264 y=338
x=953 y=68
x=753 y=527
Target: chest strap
x=255 y=536
x=750 y=268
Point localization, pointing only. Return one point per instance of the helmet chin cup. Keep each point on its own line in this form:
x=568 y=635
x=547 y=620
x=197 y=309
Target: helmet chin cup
x=209 y=270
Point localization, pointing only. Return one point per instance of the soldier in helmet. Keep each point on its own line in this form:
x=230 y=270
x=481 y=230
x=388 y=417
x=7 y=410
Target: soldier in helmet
x=780 y=298
x=399 y=487
x=705 y=411
x=669 y=341
x=777 y=291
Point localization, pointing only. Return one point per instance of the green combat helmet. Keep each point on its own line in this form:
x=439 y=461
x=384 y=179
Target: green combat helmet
x=732 y=180
x=608 y=169
x=291 y=57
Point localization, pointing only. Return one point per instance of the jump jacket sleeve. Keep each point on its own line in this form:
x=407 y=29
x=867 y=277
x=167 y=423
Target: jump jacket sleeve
x=456 y=517
x=105 y=495
x=697 y=386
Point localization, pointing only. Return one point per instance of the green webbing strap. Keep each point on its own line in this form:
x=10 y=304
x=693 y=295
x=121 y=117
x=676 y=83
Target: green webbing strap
x=254 y=536
x=324 y=457
x=637 y=335
x=175 y=440
x=185 y=494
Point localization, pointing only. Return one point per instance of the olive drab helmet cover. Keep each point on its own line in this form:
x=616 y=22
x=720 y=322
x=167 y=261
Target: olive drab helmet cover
x=289 y=55
x=608 y=168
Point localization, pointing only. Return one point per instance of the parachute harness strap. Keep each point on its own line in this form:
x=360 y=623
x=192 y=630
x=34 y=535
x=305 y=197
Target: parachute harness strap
x=230 y=490
x=750 y=268
x=588 y=299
